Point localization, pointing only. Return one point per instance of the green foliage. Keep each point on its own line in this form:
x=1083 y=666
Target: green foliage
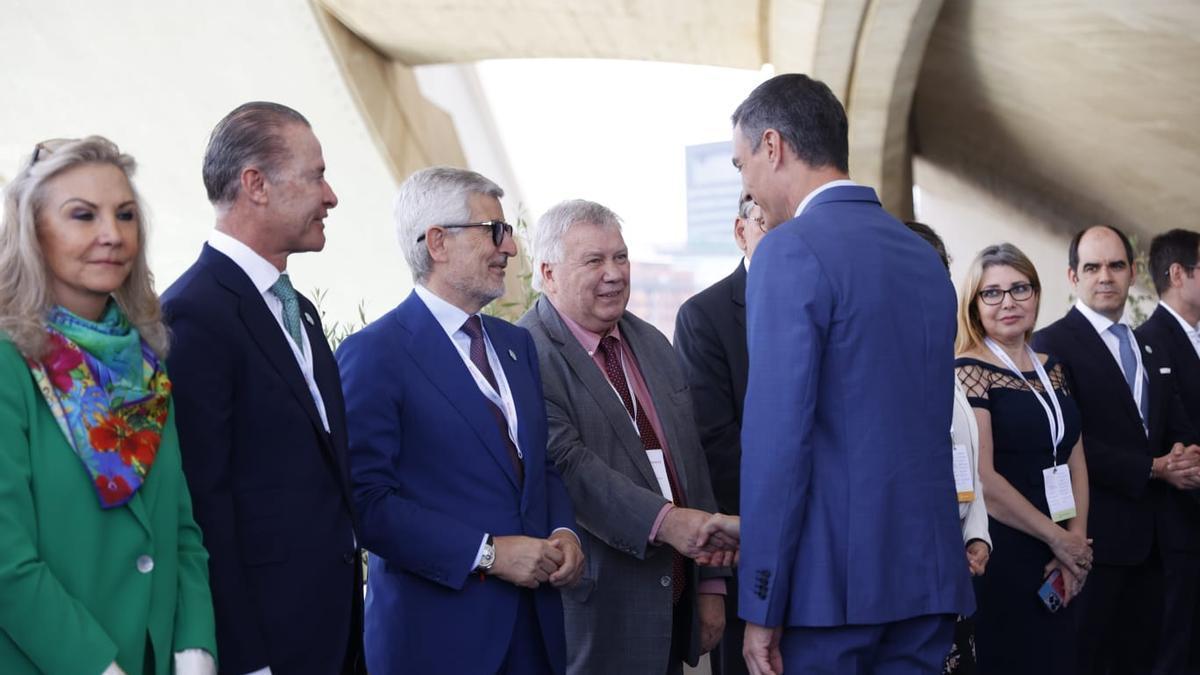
x=336 y=331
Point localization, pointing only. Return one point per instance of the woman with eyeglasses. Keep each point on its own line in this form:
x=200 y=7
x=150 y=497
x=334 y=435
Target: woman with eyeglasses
x=1032 y=467
x=102 y=569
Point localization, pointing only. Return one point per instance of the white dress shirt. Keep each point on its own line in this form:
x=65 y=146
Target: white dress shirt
x=264 y=275
x=1102 y=325
x=1192 y=332
x=843 y=182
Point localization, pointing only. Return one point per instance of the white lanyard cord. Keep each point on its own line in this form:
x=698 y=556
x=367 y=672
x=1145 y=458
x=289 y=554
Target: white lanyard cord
x=1054 y=419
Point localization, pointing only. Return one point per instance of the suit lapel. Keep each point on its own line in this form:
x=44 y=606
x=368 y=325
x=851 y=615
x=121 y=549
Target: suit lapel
x=265 y=332
x=520 y=384
x=598 y=387
x=438 y=358
x=737 y=294
x=1093 y=345
x=656 y=383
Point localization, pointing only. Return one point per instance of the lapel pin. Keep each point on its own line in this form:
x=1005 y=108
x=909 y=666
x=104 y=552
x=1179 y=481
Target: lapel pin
x=309 y=319
x=512 y=355
x=1148 y=350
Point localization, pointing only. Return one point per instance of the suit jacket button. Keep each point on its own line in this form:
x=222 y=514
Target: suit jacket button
x=665 y=581
x=145 y=564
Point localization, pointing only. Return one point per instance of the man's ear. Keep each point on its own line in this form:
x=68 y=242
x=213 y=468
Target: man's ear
x=437 y=243
x=254 y=185
x=1072 y=277
x=739 y=233
x=548 y=280
x=772 y=144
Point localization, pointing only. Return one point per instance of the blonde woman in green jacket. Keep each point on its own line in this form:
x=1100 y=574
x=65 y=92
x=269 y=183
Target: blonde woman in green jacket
x=102 y=570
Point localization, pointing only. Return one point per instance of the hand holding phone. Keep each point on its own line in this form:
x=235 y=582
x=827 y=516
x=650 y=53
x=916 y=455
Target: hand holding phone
x=1054 y=591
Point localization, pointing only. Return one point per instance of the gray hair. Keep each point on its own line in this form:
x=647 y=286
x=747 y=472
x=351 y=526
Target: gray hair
x=247 y=136
x=744 y=205
x=435 y=196
x=25 y=296
x=546 y=241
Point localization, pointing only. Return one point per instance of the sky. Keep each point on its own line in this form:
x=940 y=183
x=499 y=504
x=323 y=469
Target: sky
x=612 y=132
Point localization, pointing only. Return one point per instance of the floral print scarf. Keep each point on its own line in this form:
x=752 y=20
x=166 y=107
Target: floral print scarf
x=109 y=395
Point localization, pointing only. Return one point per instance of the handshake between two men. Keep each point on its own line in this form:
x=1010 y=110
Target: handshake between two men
x=710 y=539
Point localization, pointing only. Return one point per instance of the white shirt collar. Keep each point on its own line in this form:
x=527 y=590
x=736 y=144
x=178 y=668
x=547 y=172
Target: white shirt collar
x=1188 y=330
x=449 y=317
x=261 y=272
x=746 y=263
x=843 y=182
x=1099 y=322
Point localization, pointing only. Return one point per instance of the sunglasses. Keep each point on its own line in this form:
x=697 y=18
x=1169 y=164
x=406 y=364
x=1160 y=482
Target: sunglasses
x=499 y=229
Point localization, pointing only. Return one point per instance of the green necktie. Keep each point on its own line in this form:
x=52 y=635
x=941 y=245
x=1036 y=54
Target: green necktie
x=282 y=289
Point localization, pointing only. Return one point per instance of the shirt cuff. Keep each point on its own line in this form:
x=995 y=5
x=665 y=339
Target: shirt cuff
x=196 y=662
x=567 y=529
x=474 y=565
x=662 y=514
x=712 y=587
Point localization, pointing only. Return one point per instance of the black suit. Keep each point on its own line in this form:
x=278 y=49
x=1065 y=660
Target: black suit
x=710 y=338
x=269 y=485
x=1133 y=519
x=1182 y=565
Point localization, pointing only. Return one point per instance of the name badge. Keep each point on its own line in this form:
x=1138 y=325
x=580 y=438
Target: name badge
x=1058 y=492
x=659 y=464
x=964 y=478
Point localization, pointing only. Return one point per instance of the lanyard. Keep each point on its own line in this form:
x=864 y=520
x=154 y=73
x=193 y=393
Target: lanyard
x=632 y=395
x=503 y=398
x=1054 y=419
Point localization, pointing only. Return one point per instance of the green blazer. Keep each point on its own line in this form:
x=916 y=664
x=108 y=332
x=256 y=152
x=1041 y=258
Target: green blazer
x=81 y=586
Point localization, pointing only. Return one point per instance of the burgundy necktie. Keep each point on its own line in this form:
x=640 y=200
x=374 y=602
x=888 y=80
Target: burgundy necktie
x=474 y=329
x=610 y=347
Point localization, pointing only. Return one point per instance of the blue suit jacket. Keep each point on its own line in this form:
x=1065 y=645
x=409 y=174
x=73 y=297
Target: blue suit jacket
x=848 y=505
x=269 y=486
x=431 y=475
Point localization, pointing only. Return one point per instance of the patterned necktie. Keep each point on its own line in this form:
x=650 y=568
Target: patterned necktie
x=478 y=352
x=282 y=289
x=1129 y=365
x=610 y=347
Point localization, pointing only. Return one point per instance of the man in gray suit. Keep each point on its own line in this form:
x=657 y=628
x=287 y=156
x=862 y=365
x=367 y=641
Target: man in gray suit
x=624 y=439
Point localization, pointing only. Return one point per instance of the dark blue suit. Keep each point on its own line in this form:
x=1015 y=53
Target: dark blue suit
x=270 y=487
x=849 y=514
x=431 y=476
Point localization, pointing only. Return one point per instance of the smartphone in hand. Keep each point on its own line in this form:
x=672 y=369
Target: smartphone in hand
x=1053 y=591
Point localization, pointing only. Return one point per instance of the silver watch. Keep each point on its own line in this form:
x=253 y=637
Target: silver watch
x=488 y=557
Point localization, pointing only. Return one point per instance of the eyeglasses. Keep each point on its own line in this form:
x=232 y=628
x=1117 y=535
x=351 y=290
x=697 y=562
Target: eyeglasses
x=499 y=229
x=1187 y=269
x=46 y=148
x=995 y=296
x=760 y=222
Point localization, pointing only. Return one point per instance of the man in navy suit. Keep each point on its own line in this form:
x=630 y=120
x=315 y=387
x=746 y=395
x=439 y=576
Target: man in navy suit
x=468 y=523
x=851 y=556
x=1134 y=432
x=710 y=338
x=259 y=408
x=1175 y=328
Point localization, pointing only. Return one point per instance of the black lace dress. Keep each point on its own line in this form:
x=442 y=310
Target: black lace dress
x=1014 y=632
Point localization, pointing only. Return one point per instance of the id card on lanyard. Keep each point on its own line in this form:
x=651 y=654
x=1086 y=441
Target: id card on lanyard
x=1056 y=479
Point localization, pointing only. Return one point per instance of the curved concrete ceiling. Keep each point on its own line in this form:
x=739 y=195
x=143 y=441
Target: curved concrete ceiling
x=1076 y=111
x=415 y=32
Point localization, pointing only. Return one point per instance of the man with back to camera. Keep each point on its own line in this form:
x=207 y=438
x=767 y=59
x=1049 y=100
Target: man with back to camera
x=710 y=338
x=851 y=555
x=259 y=408
x=468 y=523
x=1134 y=433
x=623 y=436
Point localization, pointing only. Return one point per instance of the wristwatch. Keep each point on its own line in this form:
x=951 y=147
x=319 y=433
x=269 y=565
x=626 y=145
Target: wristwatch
x=487 y=558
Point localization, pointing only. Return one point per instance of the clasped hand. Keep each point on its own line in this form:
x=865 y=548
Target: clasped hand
x=531 y=562
x=1180 y=467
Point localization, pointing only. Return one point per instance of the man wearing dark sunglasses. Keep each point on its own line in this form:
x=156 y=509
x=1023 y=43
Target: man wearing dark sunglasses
x=468 y=523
